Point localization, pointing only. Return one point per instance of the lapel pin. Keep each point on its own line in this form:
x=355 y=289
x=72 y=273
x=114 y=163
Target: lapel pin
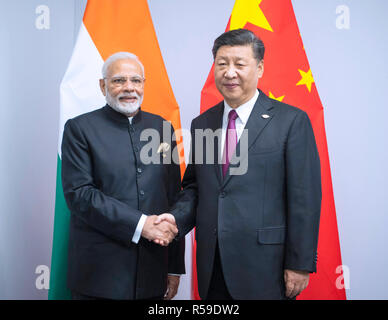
x=265 y=116
x=163 y=148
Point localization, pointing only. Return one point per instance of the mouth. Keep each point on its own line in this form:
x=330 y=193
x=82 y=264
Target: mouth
x=230 y=86
x=128 y=99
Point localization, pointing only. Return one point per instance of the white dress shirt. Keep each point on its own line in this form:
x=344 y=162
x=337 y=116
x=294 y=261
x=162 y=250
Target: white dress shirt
x=243 y=112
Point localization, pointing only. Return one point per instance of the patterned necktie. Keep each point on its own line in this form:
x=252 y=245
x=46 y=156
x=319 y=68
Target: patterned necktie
x=230 y=140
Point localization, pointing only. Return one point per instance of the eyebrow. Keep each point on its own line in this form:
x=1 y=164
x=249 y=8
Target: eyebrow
x=126 y=75
x=227 y=58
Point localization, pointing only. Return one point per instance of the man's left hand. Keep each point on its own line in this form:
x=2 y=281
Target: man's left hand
x=295 y=281
x=172 y=287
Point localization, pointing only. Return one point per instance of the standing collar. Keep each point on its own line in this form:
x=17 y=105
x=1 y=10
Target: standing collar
x=121 y=118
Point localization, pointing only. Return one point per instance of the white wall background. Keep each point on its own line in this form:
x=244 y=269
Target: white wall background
x=349 y=68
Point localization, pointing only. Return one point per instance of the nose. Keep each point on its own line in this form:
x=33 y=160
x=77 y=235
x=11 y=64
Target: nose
x=128 y=86
x=230 y=73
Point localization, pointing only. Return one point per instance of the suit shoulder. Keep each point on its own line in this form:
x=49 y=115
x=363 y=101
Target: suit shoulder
x=287 y=109
x=152 y=116
x=155 y=121
x=86 y=117
x=216 y=109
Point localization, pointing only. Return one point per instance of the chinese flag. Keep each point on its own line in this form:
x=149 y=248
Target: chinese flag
x=288 y=78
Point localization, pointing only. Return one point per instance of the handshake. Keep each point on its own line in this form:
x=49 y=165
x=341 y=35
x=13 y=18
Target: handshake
x=160 y=229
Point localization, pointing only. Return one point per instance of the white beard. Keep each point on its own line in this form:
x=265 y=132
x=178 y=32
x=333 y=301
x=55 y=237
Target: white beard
x=124 y=108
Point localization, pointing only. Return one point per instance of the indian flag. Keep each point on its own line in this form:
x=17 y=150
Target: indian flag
x=107 y=27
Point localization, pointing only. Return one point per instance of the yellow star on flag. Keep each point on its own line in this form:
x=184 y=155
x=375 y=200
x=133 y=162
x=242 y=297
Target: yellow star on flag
x=307 y=79
x=273 y=97
x=248 y=11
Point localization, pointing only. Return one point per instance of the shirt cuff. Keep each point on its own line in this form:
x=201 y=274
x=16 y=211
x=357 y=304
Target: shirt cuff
x=139 y=229
x=174 y=274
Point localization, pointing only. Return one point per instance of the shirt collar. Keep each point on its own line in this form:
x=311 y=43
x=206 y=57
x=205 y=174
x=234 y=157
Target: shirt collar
x=244 y=110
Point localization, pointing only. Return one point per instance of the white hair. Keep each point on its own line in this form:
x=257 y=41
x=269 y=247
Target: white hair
x=119 y=56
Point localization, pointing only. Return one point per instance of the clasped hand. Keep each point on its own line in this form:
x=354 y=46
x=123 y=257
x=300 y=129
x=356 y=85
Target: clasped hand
x=160 y=229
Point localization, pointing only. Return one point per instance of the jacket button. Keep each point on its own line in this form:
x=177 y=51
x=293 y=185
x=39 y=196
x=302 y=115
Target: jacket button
x=141 y=192
x=223 y=194
x=139 y=170
x=215 y=231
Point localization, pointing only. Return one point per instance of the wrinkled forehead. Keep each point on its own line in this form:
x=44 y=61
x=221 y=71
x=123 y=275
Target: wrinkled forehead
x=125 y=67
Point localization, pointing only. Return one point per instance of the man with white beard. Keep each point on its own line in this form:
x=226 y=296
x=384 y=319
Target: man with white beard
x=112 y=195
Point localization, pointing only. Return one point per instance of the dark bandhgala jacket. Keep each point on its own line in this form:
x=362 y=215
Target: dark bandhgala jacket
x=107 y=186
x=265 y=220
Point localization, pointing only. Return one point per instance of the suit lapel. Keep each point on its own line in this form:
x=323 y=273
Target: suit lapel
x=262 y=114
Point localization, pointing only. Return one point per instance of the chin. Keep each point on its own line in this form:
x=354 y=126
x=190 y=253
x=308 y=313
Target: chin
x=129 y=108
x=231 y=98
x=125 y=109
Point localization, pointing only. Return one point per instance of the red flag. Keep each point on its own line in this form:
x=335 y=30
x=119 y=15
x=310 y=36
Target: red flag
x=288 y=78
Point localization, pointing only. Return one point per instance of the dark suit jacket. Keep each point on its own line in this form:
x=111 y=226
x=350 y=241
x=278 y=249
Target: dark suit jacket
x=107 y=187
x=265 y=220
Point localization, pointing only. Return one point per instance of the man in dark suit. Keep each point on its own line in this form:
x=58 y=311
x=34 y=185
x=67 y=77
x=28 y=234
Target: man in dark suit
x=111 y=191
x=256 y=211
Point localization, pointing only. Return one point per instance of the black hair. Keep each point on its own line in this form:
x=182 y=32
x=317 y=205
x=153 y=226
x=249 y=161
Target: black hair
x=240 y=37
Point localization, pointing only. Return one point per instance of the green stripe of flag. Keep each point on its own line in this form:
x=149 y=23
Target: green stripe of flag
x=58 y=275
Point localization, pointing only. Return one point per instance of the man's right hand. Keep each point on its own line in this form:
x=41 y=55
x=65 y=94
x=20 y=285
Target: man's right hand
x=162 y=232
x=162 y=218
